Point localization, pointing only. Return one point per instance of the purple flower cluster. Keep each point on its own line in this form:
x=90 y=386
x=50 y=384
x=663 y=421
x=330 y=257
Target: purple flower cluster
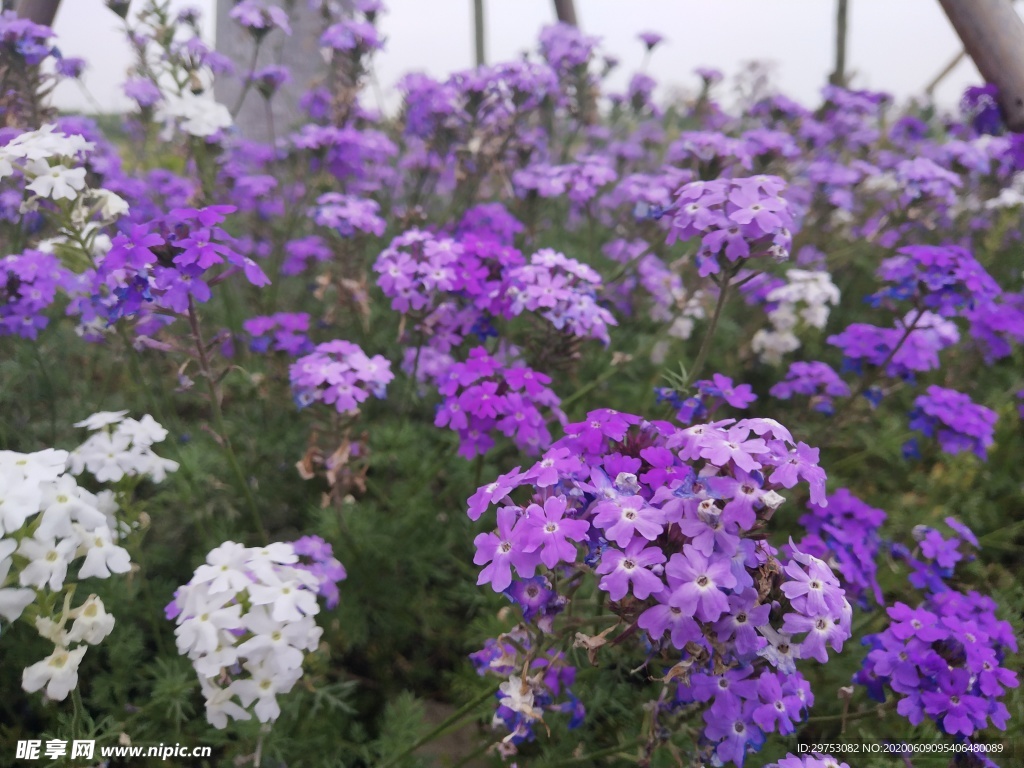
x=846 y=533
x=911 y=346
x=943 y=659
x=737 y=219
x=523 y=699
x=452 y=286
x=956 y=421
x=483 y=394
x=943 y=278
x=281 y=332
x=317 y=557
x=561 y=290
x=348 y=215
x=711 y=395
x=167 y=263
x=815 y=380
x=664 y=516
x=30 y=282
x=744 y=708
x=339 y=373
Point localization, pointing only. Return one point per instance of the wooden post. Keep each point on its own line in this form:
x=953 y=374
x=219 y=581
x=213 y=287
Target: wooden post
x=478 y=32
x=566 y=12
x=39 y=11
x=993 y=35
x=838 y=77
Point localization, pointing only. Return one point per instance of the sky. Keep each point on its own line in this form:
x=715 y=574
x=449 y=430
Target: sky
x=894 y=45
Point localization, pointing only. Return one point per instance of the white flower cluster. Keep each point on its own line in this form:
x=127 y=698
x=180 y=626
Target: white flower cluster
x=1011 y=196
x=47 y=522
x=251 y=609
x=120 y=447
x=196 y=115
x=50 y=161
x=805 y=297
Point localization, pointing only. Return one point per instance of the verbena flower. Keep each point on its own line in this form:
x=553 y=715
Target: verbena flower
x=661 y=514
x=245 y=620
x=735 y=219
x=955 y=420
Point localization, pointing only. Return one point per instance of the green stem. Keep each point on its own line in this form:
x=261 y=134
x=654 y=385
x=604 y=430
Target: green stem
x=441 y=729
x=606 y=752
x=709 y=335
x=218 y=418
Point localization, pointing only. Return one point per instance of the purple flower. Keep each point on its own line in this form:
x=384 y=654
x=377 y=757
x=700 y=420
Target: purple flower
x=630 y=570
x=500 y=551
x=550 y=533
x=696 y=584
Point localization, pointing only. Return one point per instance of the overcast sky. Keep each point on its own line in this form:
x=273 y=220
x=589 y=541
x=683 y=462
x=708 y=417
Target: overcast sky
x=895 y=45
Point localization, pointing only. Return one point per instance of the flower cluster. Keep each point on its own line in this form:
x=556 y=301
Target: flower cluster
x=737 y=219
x=956 y=421
x=815 y=380
x=944 y=278
x=47 y=523
x=483 y=394
x=911 y=346
x=29 y=283
x=846 y=533
x=339 y=373
x=167 y=263
x=943 y=659
x=561 y=290
x=711 y=394
x=323 y=565
x=524 y=699
x=804 y=298
x=663 y=515
x=120 y=447
x=281 y=332
x=251 y=609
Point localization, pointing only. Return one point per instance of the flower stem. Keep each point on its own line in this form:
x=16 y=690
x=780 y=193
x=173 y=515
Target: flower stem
x=441 y=729
x=705 y=347
x=589 y=759
x=218 y=418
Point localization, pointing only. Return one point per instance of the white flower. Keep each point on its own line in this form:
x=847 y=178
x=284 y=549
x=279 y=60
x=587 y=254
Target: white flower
x=223 y=570
x=220 y=705
x=102 y=419
x=49 y=561
x=47 y=142
x=263 y=687
x=19 y=500
x=225 y=655
x=201 y=634
x=143 y=432
x=196 y=115
x=58 y=182
x=12 y=600
x=92 y=623
x=58 y=672
x=102 y=555
x=63 y=504
x=289 y=600
x=517 y=695
x=111 y=205
x=279 y=643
